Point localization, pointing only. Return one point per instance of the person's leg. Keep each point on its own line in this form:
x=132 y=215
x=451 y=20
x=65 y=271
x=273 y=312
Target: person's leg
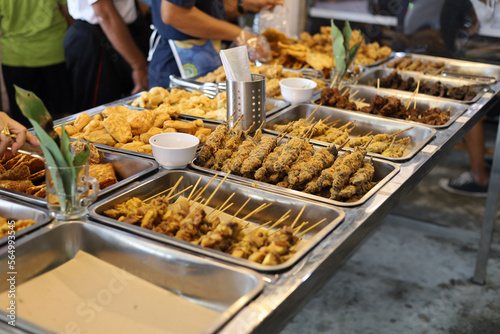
x=23 y=77
x=57 y=90
x=475 y=143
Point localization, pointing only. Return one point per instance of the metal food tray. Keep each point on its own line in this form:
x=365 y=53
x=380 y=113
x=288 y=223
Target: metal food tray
x=375 y=64
x=420 y=135
x=458 y=68
x=384 y=171
x=17 y=210
x=214 y=285
x=127 y=168
x=370 y=77
x=97 y=111
x=423 y=103
x=158 y=183
x=273 y=105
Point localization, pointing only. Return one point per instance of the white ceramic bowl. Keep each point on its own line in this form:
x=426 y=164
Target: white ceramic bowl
x=297 y=90
x=174 y=149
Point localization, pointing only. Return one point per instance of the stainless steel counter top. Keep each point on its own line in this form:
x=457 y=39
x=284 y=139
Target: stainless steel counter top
x=287 y=293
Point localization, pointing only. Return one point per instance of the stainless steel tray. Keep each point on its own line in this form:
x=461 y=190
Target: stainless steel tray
x=384 y=171
x=97 y=111
x=423 y=103
x=214 y=285
x=313 y=213
x=128 y=168
x=370 y=77
x=420 y=135
x=273 y=106
x=17 y=210
x=458 y=68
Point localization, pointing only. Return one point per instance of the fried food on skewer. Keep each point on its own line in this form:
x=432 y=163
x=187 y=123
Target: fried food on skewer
x=306 y=170
x=213 y=143
x=257 y=156
x=351 y=164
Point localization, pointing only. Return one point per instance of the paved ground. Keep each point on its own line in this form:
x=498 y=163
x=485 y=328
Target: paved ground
x=413 y=275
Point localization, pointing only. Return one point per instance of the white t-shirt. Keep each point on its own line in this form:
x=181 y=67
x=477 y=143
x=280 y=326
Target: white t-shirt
x=82 y=10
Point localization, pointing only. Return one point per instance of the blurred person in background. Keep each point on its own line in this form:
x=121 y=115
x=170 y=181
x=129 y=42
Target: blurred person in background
x=33 y=55
x=106 y=51
x=197 y=19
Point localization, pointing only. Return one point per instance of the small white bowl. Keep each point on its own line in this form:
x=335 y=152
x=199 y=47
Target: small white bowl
x=174 y=149
x=297 y=90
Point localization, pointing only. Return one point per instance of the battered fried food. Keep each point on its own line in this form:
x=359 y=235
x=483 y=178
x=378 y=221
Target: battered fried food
x=141 y=121
x=118 y=127
x=81 y=121
x=20 y=186
x=104 y=173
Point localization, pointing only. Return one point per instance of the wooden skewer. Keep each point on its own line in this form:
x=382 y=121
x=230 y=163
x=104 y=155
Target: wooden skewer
x=378 y=85
x=192 y=192
x=205 y=188
x=297 y=230
x=225 y=202
x=156 y=195
x=216 y=189
x=222 y=210
x=241 y=208
x=418 y=86
x=180 y=192
x=353 y=95
x=333 y=81
x=259 y=209
x=310 y=228
x=257 y=227
x=435 y=102
x=298 y=216
x=308 y=117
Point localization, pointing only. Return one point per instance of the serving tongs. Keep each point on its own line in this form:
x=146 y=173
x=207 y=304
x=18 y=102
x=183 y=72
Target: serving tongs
x=208 y=89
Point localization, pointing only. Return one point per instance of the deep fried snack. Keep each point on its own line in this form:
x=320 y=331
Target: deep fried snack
x=94 y=156
x=104 y=173
x=118 y=127
x=81 y=121
x=5 y=227
x=20 y=186
x=100 y=136
x=19 y=172
x=141 y=121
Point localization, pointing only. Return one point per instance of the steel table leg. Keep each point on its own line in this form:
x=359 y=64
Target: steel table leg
x=489 y=216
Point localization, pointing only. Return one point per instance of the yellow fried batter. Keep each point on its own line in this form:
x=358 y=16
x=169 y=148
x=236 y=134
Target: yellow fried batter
x=141 y=121
x=118 y=127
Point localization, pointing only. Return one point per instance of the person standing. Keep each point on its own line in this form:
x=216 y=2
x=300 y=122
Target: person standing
x=106 y=51
x=33 y=55
x=198 y=19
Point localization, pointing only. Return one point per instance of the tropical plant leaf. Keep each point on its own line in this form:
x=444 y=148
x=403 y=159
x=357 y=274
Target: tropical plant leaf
x=65 y=147
x=338 y=50
x=82 y=156
x=352 y=53
x=33 y=108
x=347 y=31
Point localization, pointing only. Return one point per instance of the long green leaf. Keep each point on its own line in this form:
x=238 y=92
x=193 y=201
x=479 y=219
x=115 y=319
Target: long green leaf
x=347 y=35
x=33 y=108
x=65 y=147
x=352 y=53
x=338 y=50
x=82 y=156
x=50 y=145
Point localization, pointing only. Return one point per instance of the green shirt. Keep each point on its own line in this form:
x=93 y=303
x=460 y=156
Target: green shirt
x=32 y=32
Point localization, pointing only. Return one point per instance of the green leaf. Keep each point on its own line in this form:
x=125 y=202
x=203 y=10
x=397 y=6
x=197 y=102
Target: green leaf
x=338 y=51
x=34 y=109
x=352 y=53
x=347 y=35
x=65 y=147
x=49 y=144
x=82 y=156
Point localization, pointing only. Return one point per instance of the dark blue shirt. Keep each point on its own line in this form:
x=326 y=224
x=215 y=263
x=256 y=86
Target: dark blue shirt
x=163 y=63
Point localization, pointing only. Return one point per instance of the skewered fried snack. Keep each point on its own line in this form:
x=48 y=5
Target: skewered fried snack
x=213 y=143
x=306 y=170
x=257 y=156
x=395 y=81
x=416 y=65
x=234 y=163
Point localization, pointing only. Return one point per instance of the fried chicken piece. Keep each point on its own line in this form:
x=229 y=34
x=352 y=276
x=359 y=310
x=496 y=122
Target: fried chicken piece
x=118 y=127
x=151 y=132
x=164 y=113
x=100 y=137
x=81 y=121
x=141 y=121
x=181 y=126
x=122 y=110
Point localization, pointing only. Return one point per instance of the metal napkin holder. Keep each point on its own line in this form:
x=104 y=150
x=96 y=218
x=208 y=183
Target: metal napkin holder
x=247 y=99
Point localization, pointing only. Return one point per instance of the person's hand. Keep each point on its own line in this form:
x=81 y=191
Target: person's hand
x=258 y=5
x=10 y=127
x=140 y=78
x=257 y=45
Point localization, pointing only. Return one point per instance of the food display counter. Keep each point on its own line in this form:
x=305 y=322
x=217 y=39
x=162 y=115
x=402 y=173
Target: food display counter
x=270 y=298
